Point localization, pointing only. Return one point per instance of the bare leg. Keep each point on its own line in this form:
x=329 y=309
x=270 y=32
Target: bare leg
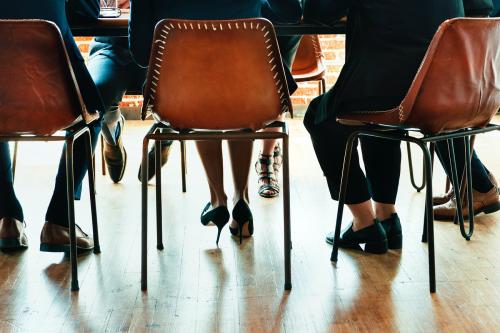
x=268 y=145
x=211 y=157
x=241 y=158
x=383 y=210
x=363 y=215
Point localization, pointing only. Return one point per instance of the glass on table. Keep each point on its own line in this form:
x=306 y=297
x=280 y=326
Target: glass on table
x=109 y=8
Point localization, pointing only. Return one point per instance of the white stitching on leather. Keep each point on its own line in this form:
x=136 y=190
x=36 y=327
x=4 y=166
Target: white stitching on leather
x=272 y=60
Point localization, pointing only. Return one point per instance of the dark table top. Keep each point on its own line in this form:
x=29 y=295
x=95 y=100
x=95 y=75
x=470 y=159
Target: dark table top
x=118 y=27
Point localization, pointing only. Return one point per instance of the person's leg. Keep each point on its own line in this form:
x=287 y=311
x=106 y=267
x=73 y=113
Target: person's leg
x=329 y=140
x=240 y=152
x=211 y=158
x=481 y=181
x=485 y=190
x=113 y=71
x=9 y=204
x=57 y=211
x=382 y=159
x=269 y=185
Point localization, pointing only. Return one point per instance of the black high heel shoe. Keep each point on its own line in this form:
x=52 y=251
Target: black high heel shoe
x=218 y=216
x=243 y=216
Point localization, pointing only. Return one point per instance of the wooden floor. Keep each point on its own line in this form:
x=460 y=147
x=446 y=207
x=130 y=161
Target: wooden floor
x=196 y=287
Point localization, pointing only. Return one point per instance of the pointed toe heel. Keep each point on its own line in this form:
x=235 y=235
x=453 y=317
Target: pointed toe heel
x=243 y=217
x=218 y=216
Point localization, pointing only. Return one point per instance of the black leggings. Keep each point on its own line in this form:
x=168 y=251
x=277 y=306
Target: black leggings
x=382 y=159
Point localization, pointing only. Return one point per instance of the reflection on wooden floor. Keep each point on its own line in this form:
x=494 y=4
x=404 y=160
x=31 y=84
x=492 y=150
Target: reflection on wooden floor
x=196 y=287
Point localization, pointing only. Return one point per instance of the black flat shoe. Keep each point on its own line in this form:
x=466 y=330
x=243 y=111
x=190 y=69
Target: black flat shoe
x=374 y=238
x=392 y=227
x=218 y=216
x=243 y=216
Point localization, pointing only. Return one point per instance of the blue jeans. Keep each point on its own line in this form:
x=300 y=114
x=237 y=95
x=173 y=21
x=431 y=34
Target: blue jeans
x=114 y=72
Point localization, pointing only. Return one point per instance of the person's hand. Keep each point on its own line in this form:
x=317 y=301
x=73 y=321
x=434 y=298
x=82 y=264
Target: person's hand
x=124 y=4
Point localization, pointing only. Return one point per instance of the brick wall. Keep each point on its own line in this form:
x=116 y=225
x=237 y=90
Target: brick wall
x=333 y=47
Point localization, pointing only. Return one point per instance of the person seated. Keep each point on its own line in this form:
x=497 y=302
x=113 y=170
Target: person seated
x=55 y=232
x=114 y=72
x=142 y=23
x=386 y=42
x=484 y=185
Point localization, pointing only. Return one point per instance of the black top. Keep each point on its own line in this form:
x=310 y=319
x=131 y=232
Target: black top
x=385 y=44
x=146 y=13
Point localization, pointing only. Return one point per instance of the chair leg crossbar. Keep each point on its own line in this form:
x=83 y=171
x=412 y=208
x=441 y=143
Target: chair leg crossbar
x=160 y=132
x=428 y=154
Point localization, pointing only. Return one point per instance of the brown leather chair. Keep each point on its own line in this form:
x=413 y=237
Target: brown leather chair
x=214 y=80
x=39 y=96
x=440 y=107
x=308 y=63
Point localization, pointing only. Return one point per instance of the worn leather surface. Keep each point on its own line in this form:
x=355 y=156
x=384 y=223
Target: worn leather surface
x=308 y=63
x=38 y=91
x=224 y=74
x=458 y=83
x=54 y=234
x=11 y=228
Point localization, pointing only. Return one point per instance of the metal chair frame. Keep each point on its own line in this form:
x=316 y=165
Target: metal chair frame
x=168 y=133
x=394 y=133
x=71 y=135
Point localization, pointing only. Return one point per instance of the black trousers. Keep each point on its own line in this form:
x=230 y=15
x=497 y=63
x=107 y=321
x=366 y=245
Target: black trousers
x=480 y=175
x=382 y=160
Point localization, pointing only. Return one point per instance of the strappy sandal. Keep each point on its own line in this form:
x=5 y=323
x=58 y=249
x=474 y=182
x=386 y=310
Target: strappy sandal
x=268 y=181
x=277 y=158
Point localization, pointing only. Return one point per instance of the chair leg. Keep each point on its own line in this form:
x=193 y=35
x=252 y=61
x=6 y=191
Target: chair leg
x=183 y=165
x=144 y=213
x=103 y=163
x=429 y=215
x=159 y=232
x=432 y=149
x=14 y=159
x=468 y=176
x=91 y=175
x=456 y=188
x=412 y=176
x=286 y=212
x=71 y=213
x=343 y=190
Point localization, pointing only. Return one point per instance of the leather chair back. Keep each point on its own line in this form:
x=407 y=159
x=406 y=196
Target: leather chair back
x=38 y=91
x=458 y=83
x=308 y=62
x=217 y=75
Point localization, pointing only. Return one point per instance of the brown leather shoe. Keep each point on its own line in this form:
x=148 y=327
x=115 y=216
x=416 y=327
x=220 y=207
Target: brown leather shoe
x=12 y=235
x=483 y=203
x=443 y=198
x=55 y=238
x=115 y=157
